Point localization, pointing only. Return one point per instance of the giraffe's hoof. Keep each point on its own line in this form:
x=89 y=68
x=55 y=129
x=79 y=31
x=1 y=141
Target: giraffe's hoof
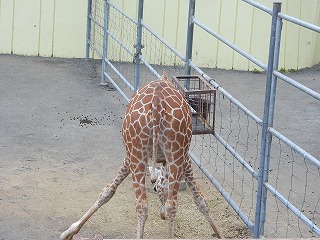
x=70 y=232
x=96 y=237
x=153 y=180
x=163 y=213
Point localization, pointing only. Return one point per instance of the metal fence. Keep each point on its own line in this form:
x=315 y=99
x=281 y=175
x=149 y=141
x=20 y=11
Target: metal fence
x=270 y=182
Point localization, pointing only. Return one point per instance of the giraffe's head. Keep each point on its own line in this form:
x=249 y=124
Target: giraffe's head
x=161 y=187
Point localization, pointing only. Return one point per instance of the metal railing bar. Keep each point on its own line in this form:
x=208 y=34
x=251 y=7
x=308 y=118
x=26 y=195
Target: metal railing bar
x=259 y=6
x=295 y=147
x=228 y=198
x=96 y=50
x=236 y=155
x=96 y=22
x=117 y=87
x=119 y=74
x=297 y=85
x=227 y=95
x=230 y=44
x=293 y=209
x=300 y=22
x=145 y=62
x=121 y=44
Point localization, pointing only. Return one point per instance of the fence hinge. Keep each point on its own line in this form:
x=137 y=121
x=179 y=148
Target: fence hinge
x=138 y=52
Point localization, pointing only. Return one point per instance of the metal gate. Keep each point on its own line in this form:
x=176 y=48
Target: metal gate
x=270 y=182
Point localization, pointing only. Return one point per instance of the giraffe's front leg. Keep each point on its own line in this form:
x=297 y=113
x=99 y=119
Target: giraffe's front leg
x=171 y=210
x=174 y=175
x=105 y=195
x=161 y=188
x=138 y=181
x=142 y=215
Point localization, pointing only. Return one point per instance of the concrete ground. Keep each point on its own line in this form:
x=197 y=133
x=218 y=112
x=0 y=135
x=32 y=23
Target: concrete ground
x=60 y=145
x=57 y=125
x=60 y=141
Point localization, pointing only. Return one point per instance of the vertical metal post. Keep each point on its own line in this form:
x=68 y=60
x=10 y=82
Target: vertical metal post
x=192 y=7
x=275 y=67
x=138 y=47
x=105 y=42
x=88 y=34
x=264 y=156
x=270 y=118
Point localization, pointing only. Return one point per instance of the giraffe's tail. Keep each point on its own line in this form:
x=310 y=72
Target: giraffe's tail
x=157 y=115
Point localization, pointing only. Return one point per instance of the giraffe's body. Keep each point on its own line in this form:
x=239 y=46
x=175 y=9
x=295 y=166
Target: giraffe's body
x=157 y=125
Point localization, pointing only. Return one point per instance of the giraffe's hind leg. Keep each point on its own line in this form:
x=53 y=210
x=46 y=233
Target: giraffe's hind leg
x=105 y=195
x=174 y=175
x=138 y=169
x=198 y=197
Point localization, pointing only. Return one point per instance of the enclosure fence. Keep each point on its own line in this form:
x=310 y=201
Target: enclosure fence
x=271 y=183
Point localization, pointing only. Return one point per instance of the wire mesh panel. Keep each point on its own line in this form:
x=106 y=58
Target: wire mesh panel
x=235 y=130
x=158 y=55
x=297 y=181
x=97 y=27
x=119 y=50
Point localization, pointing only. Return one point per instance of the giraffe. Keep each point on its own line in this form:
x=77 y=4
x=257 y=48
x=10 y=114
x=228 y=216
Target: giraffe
x=157 y=125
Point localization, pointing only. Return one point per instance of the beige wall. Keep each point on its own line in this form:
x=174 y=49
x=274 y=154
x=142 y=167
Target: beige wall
x=240 y=23
x=43 y=27
x=57 y=28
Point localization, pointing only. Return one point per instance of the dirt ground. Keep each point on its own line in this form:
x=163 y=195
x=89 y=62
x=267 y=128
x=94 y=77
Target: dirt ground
x=61 y=143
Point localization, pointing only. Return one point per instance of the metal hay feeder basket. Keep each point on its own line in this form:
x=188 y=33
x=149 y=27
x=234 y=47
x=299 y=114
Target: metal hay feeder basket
x=202 y=99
